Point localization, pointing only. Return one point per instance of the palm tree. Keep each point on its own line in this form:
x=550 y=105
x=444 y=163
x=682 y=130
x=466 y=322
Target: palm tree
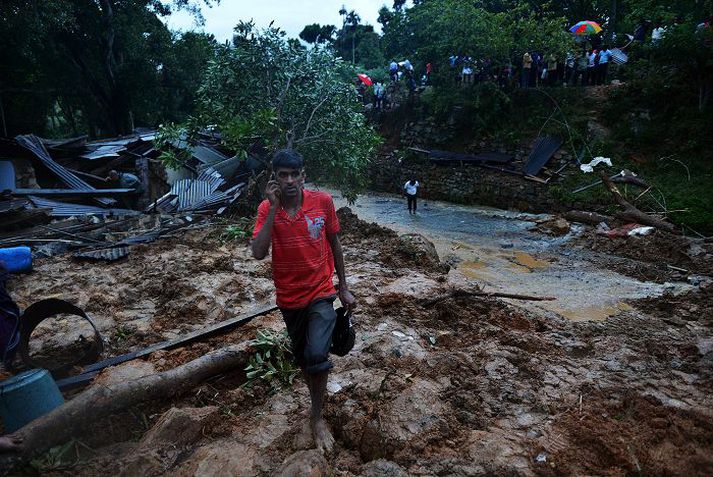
x=353 y=20
x=343 y=13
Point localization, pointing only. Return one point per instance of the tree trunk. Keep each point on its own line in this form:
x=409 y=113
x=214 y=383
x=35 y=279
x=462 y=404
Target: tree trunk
x=586 y=217
x=69 y=420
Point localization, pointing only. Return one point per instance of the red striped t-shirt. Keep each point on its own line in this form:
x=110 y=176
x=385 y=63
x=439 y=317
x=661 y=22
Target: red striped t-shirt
x=302 y=261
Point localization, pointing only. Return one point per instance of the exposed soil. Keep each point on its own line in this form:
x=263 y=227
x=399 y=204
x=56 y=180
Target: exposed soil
x=467 y=386
x=653 y=256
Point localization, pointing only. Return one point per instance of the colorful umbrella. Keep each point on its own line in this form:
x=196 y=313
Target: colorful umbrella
x=586 y=28
x=365 y=79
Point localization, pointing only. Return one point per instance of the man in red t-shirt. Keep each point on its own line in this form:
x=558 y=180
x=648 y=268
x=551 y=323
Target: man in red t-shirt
x=302 y=226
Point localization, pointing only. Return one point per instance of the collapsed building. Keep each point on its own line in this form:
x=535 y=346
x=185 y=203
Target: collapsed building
x=59 y=189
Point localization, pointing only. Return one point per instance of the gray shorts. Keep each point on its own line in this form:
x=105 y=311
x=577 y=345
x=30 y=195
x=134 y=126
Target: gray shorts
x=310 y=331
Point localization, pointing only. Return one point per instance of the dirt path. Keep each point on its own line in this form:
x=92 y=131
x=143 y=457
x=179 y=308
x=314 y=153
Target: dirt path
x=497 y=248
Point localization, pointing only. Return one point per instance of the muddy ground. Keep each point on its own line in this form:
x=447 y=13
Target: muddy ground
x=463 y=386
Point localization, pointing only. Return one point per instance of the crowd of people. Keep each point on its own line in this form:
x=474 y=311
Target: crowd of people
x=588 y=64
x=590 y=67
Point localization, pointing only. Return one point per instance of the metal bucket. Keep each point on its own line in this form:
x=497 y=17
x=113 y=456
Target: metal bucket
x=26 y=397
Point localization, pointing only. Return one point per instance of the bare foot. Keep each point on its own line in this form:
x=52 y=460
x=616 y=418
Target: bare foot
x=10 y=443
x=322 y=437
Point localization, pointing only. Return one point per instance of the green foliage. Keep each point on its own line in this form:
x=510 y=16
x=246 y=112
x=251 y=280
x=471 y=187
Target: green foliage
x=262 y=91
x=61 y=457
x=124 y=332
x=272 y=360
x=167 y=137
x=240 y=230
x=479 y=110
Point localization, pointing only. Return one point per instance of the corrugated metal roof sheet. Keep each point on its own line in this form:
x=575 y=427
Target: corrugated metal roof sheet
x=65 y=209
x=189 y=192
x=34 y=144
x=219 y=198
x=106 y=254
x=226 y=168
x=103 y=151
x=203 y=153
x=208 y=155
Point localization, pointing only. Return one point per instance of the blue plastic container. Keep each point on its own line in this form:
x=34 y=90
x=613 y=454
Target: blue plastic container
x=16 y=259
x=7 y=176
x=26 y=397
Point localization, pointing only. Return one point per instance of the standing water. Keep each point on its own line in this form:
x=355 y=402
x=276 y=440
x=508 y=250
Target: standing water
x=497 y=250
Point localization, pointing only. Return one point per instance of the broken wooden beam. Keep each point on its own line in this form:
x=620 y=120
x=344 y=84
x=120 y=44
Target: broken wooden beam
x=461 y=293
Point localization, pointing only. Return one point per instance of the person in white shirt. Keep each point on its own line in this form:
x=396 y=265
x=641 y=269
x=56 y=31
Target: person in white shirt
x=410 y=189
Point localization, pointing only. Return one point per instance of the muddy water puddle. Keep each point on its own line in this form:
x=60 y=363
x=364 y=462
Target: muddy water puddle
x=498 y=250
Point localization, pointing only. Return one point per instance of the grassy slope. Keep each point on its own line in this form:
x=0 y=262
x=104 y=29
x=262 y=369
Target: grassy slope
x=672 y=153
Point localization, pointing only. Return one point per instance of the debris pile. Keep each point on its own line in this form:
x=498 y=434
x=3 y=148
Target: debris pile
x=96 y=196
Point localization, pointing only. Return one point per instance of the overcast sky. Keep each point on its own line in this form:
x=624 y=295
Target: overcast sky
x=290 y=15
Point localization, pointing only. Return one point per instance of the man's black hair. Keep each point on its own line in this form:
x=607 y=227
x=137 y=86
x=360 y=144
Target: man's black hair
x=287 y=158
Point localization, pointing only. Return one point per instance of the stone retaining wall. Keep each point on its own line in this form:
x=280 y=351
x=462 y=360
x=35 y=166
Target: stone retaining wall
x=467 y=184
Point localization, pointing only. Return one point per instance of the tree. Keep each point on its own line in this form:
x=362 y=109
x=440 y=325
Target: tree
x=353 y=20
x=315 y=33
x=101 y=63
x=310 y=33
x=263 y=92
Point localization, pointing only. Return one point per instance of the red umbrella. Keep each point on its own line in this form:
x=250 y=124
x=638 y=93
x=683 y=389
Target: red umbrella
x=365 y=79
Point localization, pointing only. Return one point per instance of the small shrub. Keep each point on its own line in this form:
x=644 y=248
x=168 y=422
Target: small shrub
x=272 y=361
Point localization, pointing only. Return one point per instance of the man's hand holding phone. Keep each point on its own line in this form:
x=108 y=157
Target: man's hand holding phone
x=272 y=191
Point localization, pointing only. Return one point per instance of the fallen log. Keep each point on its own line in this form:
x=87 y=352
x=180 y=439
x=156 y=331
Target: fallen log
x=93 y=370
x=631 y=213
x=70 y=419
x=460 y=292
x=586 y=217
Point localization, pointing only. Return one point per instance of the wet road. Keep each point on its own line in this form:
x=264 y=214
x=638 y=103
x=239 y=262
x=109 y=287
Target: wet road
x=497 y=250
